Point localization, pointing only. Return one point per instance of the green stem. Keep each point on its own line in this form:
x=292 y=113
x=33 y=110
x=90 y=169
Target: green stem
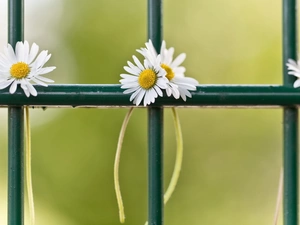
x=179 y=156
x=117 y=163
x=279 y=196
x=28 y=166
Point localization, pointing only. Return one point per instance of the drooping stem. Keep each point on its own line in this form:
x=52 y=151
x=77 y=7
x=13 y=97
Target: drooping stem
x=179 y=156
x=116 y=166
x=279 y=197
x=28 y=167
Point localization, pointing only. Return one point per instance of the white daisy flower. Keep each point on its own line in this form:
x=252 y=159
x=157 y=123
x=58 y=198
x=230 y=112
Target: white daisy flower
x=178 y=85
x=19 y=67
x=294 y=69
x=144 y=81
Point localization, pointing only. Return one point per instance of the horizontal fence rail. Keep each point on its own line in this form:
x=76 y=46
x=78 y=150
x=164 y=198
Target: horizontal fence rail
x=112 y=95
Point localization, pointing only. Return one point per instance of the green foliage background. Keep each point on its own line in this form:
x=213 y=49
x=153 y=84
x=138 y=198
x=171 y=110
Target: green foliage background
x=232 y=157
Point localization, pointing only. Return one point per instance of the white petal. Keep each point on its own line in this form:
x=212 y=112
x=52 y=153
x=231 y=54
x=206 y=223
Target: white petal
x=187 y=86
x=292 y=67
x=31 y=89
x=25 y=89
x=130 y=90
x=153 y=92
x=147 y=98
x=39 y=82
x=162 y=73
x=147 y=64
x=132 y=87
x=184 y=93
x=4 y=71
x=40 y=60
x=129 y=85
x=10 y=54
x=135 y=68
x=126 y=81
x=129 y=77
x=169 y=56
x=138 y=63
x=130 y=70
x=142 y=51
x=297 y=74
x=33 y=52
x=129 y=80
x=297 y=83
x=183 y=96
x=135 y=94
x=178 y=60
x=23 y=83
x=4 y=84
x=151 y=55
x=293 y=62
x=139 y=97
x=191 y=80
x=47 y=58
x=4 y=60
x=151 y=60
x=157 y=61
x=2 y=79
x=175 y=91
x=20 y=51
x=162 y=83
x=151 y=48
x=26 y=52
x=162 y=50
x=46 y=70
x=153 y=95
x=158 y=90
x=169 y=91
x=187 y=82
x=13 y=87
x=44 y=79
x=179 y=70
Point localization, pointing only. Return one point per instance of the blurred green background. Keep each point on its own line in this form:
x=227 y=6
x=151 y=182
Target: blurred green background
x=232 y=157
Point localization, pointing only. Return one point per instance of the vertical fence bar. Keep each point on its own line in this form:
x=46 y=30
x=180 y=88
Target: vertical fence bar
x=15 y=126
x=290 y=118
x=155 y=127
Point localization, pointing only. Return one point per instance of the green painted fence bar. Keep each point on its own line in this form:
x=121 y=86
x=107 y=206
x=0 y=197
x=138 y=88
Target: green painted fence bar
x=112 y=95
x=290 y=118
x=155 y=128
x=15 y=166
x=15 y=127
x=155 y=170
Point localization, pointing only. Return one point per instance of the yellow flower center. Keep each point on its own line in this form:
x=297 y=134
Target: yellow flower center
x=19 y=70
x=170 y=74
x=147 y=78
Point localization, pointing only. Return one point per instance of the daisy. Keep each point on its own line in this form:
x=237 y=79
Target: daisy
x=144 y=80
x=294 y=69
x=19 y=67
x=179 y=85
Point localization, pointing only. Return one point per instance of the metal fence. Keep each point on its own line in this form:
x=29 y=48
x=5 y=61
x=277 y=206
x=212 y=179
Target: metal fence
x=284 y=96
